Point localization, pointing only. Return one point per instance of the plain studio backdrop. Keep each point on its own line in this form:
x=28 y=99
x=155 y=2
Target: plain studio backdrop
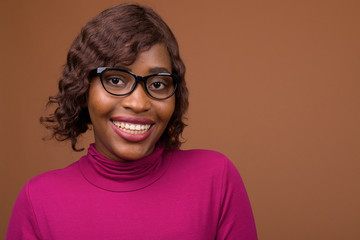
x=275 y=85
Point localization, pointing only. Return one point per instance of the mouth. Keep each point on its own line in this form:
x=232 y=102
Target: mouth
x=132 y=128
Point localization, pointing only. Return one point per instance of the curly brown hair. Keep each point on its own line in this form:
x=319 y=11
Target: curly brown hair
x=116 y=35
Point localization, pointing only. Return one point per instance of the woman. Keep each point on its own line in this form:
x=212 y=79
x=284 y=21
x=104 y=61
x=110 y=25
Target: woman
x=124 y=77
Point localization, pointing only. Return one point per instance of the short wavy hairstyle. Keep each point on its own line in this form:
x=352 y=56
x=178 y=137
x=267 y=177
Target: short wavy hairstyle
x=116 y=35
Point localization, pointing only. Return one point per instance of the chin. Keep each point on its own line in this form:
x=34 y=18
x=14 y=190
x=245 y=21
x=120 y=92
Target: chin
x=132 y=154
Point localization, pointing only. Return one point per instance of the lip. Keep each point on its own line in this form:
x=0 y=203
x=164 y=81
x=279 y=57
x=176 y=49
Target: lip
x=135 y=120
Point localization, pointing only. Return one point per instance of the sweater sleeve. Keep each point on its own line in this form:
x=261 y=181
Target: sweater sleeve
x=236 y=218
x=23 y=224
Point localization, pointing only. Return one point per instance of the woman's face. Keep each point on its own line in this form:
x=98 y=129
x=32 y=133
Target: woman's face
x=109 y=114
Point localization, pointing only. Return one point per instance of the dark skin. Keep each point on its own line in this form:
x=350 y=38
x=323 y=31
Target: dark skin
x=137 y=109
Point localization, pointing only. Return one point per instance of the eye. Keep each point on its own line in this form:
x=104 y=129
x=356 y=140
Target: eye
x=115 y=81
x=158 y=83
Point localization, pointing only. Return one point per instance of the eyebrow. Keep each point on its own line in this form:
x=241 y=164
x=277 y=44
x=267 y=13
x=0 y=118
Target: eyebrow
x=151 y=70
x=158 y=70
x=123 y=68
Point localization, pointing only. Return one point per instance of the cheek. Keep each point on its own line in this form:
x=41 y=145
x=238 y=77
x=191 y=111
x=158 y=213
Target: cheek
x=167 y=109
x=98 y=104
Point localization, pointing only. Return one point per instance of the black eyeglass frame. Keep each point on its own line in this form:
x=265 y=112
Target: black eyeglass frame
x=100 y=70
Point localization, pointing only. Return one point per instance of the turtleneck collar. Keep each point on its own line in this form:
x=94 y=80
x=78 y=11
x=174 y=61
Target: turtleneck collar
x=122 y=176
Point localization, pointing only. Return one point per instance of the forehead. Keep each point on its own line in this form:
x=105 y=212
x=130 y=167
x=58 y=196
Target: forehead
x=156 y=57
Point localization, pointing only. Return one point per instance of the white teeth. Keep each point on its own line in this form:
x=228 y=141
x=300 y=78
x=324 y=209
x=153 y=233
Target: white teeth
x=132 y=128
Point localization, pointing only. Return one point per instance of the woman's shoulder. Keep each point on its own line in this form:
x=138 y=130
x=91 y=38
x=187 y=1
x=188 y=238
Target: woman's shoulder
x=201 y=159
x=53 y=178
x=200 y=155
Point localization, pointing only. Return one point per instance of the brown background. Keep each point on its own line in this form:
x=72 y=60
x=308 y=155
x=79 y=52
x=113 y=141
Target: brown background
x=274 y=86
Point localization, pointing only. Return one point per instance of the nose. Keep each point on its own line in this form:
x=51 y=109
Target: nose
x=137 y=101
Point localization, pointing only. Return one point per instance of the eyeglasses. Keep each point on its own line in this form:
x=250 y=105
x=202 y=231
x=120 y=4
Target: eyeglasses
x=120 y=82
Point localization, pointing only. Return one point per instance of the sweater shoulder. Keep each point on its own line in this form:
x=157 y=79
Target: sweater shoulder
x=200 y=160
x=53 y=178
x=202 y=156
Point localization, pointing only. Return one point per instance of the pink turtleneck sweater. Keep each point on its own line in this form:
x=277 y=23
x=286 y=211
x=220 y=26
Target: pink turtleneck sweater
x=186 y=195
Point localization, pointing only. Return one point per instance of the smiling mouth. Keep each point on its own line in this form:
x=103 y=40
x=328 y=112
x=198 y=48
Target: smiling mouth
x=131 y=127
